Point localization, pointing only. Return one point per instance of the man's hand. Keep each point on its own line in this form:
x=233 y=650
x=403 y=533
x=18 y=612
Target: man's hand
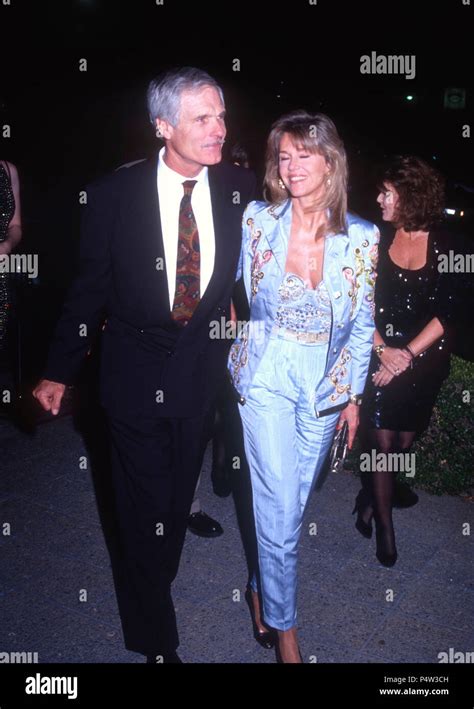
x=49 y=395
x=351 y=415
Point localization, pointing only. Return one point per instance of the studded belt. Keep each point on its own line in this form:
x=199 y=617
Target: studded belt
x=308 y=338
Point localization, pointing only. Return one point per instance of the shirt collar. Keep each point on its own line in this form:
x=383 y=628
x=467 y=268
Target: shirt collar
x=174 y=178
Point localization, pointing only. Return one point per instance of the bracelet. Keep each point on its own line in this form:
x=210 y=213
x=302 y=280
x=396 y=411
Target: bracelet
x=378 y=349
x=412 y=354
x=355 y=399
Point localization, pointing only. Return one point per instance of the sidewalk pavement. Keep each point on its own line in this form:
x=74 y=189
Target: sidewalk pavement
x=351 y=609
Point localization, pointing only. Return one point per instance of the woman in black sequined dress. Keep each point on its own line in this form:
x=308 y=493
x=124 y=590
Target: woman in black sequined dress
x=10 y=235
x=414 y=313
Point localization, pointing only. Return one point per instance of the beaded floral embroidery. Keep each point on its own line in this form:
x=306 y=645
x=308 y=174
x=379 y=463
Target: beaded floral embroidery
x=258 y=260
x=338 y=372
x=239 y=350
x=371 y=273
x=239 y=354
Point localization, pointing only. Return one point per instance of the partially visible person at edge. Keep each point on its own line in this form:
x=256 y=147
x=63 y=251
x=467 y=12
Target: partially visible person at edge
x=415 y=309
x=10 y=237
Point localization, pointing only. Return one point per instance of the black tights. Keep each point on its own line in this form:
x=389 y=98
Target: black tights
x=379 y=485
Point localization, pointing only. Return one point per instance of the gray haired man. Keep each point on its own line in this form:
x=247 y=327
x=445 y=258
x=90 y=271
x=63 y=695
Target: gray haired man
x=159 y=251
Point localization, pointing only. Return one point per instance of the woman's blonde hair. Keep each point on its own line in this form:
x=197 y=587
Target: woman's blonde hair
x=316 y=133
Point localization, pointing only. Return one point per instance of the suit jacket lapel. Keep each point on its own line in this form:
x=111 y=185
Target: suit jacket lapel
x=146 y=241
x=276 y=230
x=218 y=208
x=338 y=270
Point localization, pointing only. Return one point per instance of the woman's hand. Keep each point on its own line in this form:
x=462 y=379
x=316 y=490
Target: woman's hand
x=395 y=360
x=382 y=376
x=351 y=415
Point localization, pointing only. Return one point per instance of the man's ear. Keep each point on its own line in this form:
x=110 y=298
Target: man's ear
x=163 y=129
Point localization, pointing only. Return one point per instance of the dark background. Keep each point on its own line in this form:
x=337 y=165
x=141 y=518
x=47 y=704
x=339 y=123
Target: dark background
x=70 y=127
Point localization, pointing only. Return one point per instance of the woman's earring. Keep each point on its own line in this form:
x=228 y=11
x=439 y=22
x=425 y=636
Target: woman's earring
x=328 y=182
x=158 y=133
x=281 y=184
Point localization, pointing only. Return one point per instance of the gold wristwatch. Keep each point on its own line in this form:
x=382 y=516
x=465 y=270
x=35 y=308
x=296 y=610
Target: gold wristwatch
x=355 y=399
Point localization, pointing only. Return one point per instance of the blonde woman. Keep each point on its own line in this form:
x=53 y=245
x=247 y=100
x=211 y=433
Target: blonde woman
x=301 y=363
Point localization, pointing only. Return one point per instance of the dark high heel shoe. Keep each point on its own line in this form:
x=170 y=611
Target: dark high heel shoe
x=386 y=551
x=361 y=504
x=267 y=638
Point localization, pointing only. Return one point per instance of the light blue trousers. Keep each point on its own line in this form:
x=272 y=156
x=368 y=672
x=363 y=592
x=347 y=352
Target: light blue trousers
x=286 y=446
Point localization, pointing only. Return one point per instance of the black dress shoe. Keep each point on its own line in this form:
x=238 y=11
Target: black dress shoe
x=170 y=657
x=266 y=639
x=204 y=526
x=403 y=496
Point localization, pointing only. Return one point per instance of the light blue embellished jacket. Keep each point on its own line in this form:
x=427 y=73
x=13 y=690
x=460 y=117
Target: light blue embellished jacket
x=349 y=273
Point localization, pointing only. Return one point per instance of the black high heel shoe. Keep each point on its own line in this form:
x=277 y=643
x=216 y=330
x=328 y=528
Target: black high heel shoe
x=361 y=503
x=266 y=639
x=386 y=552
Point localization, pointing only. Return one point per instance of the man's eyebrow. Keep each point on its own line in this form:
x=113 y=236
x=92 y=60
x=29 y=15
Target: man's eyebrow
x=207 y=115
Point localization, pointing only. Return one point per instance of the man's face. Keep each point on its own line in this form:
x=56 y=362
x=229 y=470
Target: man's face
x=198 y=137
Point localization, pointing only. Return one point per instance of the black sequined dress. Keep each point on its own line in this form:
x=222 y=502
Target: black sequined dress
x=405 y=302
x=7 y=210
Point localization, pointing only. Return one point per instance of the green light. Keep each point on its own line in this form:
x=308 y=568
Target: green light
x=409 y=98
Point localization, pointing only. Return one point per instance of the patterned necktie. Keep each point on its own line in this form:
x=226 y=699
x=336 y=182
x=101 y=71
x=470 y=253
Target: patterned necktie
x=188 y=265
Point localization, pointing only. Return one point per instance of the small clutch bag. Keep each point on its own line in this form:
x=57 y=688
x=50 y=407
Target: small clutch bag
x=339 y=449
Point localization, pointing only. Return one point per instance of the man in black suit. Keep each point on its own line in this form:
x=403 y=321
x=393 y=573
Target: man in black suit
x=159 y=251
